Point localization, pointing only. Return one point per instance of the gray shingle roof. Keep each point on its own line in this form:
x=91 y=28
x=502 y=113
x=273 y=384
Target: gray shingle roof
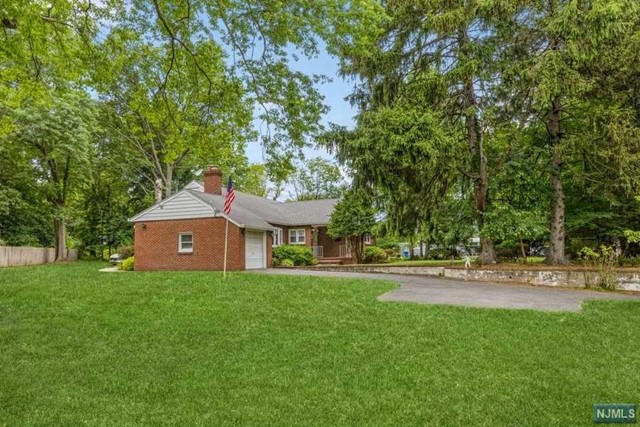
x=239 y=213
x=310 y=212
x=258 y=212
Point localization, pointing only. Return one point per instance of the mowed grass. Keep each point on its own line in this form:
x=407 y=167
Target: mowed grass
x=79 y=347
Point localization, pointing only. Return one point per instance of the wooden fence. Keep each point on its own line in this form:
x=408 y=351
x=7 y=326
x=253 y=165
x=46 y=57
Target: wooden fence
x=11 y=256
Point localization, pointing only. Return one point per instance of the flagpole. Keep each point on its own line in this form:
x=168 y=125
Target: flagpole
x=228 y=199
x=226 y=235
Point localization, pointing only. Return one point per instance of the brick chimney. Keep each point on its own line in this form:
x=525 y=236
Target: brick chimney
x=213 y=180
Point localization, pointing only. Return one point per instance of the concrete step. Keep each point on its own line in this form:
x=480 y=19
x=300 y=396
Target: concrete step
x=329 y=261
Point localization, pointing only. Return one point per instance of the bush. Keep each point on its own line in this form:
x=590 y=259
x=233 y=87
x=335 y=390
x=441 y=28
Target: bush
x=299 y=255
x=387 y=243
x=286 y=263
x=630 y=261
x=391 y=252
x=127 y=264
x=374 y=255
x=605 y=260
x=125 y=252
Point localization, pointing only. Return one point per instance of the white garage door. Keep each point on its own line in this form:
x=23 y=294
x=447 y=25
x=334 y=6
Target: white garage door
x=254 y=250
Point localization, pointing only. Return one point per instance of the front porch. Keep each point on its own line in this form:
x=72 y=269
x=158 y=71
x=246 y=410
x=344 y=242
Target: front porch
x=328 y=250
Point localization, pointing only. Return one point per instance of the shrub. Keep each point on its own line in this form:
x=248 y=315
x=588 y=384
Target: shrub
x=604 y=259
x=125 y=252
x=299 y=255
x=286 y=263
x=374 y=255
x=387 y=243
x=391 y=252
x=127 y=264
x=630 y=261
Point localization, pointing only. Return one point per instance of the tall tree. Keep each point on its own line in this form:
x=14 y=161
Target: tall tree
x=353 y=218
x=172 y=120
x=317 y=178
x=43 y=62
x=259 y=42
x=558 y=52
x=439 y=57
x=59 y=134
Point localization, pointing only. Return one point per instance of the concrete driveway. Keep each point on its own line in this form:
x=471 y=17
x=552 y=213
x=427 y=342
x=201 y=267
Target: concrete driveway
x=434 y=290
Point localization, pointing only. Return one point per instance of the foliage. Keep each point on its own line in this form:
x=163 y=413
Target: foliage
x=512 y=227
x=167 y=120
x=387 y=242
x=135 y=93
x=287 y=263
x=605 y=259
x=317 y=178
x=632 y=236
x=127 y=264
x=56 y=133
x=541 y=94
x=125 y=252
x=374 y=255
x=298 y=254
x=353 y=217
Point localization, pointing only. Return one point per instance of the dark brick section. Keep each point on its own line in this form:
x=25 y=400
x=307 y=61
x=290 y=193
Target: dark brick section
x=331 y=245
x=156 y=245
x=213 y=180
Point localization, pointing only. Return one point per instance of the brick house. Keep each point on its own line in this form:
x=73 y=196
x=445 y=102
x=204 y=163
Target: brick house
x=186 y=230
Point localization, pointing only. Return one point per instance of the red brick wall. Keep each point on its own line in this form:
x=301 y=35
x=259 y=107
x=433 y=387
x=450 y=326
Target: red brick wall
x=156 y=245
x=308 y=237
x=331 y=247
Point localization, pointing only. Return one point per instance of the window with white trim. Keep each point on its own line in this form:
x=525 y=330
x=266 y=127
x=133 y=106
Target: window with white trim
x=277 y=237
x=367 y=239
x=185 y=243
x=296 y=236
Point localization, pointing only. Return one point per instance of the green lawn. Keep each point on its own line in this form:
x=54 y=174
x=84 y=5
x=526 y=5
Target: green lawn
x=79 y=347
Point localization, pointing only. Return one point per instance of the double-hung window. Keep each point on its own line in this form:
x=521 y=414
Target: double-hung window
x=296 y=236
x=185 y=243
x=367 y=239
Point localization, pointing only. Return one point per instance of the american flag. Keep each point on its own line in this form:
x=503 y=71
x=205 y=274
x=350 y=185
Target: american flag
x=229 y=198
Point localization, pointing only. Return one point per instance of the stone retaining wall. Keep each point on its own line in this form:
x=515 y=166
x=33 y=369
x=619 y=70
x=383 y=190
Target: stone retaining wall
x=584 y=278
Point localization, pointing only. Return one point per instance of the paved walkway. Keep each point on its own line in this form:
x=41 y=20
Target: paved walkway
x=434 y=290
x=114 y=269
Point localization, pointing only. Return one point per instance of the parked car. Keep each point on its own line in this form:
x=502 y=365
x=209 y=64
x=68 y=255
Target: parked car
x=115 y=259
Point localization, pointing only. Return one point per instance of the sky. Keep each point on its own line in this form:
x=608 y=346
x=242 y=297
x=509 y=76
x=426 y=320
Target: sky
x=334 y=92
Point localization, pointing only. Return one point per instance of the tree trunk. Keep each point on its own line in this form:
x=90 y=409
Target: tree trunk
x=411 y=248
x=356 y=248
x=158 y=190
x=168 y=190
x=523 y=252
x=556 y=256
x=481 y=182
x=60 y=239
x=478 y=160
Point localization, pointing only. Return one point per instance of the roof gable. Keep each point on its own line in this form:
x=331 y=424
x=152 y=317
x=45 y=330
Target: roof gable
x=182 y=205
